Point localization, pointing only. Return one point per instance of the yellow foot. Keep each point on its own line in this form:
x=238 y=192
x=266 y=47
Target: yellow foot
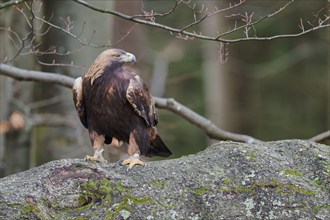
x=97 y=159
x=131 y=161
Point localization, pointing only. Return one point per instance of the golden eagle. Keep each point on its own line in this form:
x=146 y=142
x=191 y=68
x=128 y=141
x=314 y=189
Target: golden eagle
x=113 y=102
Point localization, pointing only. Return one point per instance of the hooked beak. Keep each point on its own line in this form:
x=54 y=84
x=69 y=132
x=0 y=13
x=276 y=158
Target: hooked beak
x=128 y=57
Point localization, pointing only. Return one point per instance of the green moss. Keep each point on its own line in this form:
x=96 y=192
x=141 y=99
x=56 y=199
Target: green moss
x=10 y=204
x=225 y=189
x=246 y=189
x=295 y=157
x=317 y=208
x=126 y=203
x=292 y=172
x=114 y=196
x=279 y=188
x=252 y=187
x=318 y=182
x=252 y=156
x=169 y=206
x=116 y=208
x=121 y=188
x=200 y=191
x=29 y=209
x=78 y=218
x=94 y=192
x=157 y=183
x=228 y=180
x=141 y=200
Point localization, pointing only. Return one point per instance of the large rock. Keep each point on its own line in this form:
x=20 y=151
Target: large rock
x=272 y=180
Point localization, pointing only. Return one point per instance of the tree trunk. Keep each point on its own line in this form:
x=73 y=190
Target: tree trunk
x=14 y=96
x=217 y=83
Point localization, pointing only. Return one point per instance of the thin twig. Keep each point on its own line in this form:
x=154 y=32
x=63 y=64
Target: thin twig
x=11 y=3
x=207 y=15
x=183 y=33
x=219 y=38
x=66 y=31
x=255 y=22
x=54 y=63
x=159 y=14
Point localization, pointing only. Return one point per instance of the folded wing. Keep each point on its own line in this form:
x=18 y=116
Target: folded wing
x=78 y=99
x=140 y=99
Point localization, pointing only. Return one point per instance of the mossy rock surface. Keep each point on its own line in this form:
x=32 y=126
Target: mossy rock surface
x=272 y=180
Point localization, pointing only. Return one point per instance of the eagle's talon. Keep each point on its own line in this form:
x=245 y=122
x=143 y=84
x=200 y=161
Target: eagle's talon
x=97 y=159
x=132 y=161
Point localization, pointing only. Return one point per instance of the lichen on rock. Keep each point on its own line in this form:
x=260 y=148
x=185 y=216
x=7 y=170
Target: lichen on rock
x=271 y=180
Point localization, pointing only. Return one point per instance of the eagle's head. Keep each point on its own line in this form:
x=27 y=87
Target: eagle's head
x=111 y=58
x=117 y=56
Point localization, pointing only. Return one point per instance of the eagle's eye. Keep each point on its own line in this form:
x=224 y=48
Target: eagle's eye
x=116 y=55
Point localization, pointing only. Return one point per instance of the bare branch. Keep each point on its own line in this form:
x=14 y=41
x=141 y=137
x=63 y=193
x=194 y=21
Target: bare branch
x=280 y=36
x=125 y=35
x=17 y=37
x=204 y=124
x=301 y=25
x=149 y=19
x=11 y=3
x=194 y=23
x=255 y=22
x=21 y=10
x=68 y=28
x=206 y=14
x=28 y=43
x=170 y=104
x=65 y=31
x=32 y=75
x=192 y=35
x=145 y=22
x=146 y=14
x=54 y=63
x=321 y=137
x=223 y=52
x=217 y=10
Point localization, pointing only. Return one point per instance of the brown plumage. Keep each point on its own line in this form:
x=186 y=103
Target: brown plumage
x=114 y=102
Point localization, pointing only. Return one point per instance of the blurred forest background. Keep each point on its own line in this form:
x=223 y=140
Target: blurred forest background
x=269 y=89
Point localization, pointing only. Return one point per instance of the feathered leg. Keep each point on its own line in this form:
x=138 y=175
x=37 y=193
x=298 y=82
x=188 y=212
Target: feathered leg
x=133 y=152
x=98 y=143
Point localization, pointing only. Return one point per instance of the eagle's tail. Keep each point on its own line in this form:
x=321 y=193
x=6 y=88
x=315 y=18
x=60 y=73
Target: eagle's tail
x=158 y=148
